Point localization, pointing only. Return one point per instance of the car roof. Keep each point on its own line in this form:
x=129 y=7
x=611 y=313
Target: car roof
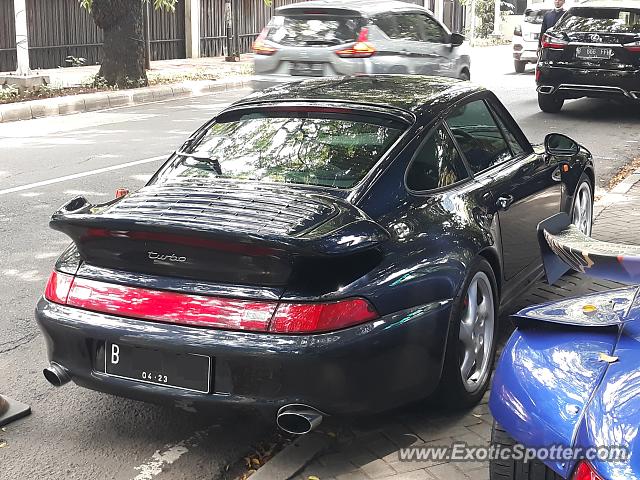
x=365 y=8
x=416 y=94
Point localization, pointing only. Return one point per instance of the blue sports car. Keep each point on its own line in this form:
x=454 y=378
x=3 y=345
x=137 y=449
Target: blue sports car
x=566 y=389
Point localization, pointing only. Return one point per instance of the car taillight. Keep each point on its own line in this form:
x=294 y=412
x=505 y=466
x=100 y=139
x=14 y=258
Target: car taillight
x=538 y=74
x=553 y=42
x=259 y=47
x=517 y=31
x=58 y=287
x=206 y=311
x=321 y=317
x=585 y=471
x=361 y=49
x=633 y=47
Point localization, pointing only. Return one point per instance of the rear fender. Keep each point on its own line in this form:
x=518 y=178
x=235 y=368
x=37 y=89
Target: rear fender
x=544 y=381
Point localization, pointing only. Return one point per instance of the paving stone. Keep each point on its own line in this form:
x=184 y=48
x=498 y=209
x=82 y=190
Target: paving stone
x=96 y=101
x=355 y=475
x=468 y=467
x=67 y=105
x=483 y=429
x=428 y=431
x=415 y=475
x=13 y=112
x=378 y=469
x=447 y=471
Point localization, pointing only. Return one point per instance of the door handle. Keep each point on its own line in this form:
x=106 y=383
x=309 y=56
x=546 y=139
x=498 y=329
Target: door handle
x=504 y=202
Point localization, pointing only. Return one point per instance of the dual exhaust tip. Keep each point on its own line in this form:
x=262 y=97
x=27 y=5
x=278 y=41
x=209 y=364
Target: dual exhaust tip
x=296 y=418
x=545 y=89
x=56 y=375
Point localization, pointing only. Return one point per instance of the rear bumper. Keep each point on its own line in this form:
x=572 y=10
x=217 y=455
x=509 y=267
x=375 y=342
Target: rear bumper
x=576 y=83
x=372 y=367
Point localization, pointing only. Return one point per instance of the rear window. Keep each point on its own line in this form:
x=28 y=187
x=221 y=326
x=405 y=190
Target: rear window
x=310 y=30
x=607 y=20
x=326 y=150
x=535 y=16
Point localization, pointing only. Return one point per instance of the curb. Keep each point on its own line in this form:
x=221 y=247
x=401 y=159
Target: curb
x=293 y=458
x=90 y=102
x=614 y=195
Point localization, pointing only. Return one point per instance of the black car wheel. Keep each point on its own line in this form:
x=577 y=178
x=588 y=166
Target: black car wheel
x=471 y=343
x=550 y=103
x=515 y=469
x=582 y=209
x=519 y=66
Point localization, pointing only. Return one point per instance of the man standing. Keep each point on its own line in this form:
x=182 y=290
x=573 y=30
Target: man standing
x=551 y=18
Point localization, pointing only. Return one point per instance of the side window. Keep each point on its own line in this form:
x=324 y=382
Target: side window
x=478 y=136
x=408 y=26
x=388 y=25
x=437 y=164
x=512 y=140
x=431 y=31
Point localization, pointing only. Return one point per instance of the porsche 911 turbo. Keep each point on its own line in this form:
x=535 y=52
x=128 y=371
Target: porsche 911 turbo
x=326 y=247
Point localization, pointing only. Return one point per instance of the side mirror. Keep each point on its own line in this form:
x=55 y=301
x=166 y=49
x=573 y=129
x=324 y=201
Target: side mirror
x=457 y=39
x=561 y=145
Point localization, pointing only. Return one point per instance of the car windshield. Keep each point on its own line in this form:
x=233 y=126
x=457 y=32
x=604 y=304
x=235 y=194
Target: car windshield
x=606 y=20
x=535 y=16
x=313 y=30
x=331 y=151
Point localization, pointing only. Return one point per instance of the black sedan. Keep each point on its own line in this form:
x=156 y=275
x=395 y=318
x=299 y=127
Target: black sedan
x=333 y=246
x=593 y=51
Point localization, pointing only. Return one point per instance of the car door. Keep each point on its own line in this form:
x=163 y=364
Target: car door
x=428 y=50
x=393 y=54
x=526 y=186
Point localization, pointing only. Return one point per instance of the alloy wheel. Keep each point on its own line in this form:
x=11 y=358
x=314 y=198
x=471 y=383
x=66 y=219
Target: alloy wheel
x=582 y=213
x=476 y=332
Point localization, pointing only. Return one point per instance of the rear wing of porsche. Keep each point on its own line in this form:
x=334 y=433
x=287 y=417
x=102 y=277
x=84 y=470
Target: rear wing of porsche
x=564 y=247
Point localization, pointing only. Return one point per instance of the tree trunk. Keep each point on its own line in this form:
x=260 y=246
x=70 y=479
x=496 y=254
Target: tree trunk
x=123 y=50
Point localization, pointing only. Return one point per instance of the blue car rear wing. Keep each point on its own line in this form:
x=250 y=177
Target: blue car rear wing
x=563 y=247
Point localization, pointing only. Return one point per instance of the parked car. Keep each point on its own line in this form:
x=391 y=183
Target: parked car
x=568 y=376
x=593 y=51
x=335 y=37
x=526 y=37
x=343 y=244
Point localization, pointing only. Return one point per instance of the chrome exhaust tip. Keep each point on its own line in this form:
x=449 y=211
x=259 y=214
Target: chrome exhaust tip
x=545 y=89
x=298 y=418
x=56 y=375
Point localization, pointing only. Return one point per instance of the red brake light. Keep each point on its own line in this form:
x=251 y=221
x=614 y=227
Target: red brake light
x=58 y=287
x=361 y=49
x=585 y=471
x=259 y=47
x=122 y=192
x=553 y=42
x=321 y=317
x=538 y=74
x=170 y=307
x=206 y=311
x=633 y=47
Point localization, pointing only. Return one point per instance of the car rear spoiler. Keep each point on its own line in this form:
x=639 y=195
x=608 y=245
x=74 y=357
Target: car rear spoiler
x=564 y=247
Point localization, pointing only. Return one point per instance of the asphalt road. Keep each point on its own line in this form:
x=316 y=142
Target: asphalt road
x=75 y=433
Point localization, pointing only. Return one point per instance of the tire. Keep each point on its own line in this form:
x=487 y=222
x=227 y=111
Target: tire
x=519 y=66
x=465 y=75
x=582 y=206
x=550 y=103
x=515 y=469
x=455 y=391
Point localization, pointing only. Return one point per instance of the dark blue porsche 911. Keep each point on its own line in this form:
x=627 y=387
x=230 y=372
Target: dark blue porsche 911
x=325 y=247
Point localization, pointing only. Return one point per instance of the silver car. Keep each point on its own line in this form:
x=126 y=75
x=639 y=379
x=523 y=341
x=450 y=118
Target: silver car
x=332 y=37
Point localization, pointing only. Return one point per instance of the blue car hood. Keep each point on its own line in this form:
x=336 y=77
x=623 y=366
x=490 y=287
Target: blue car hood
x=553 y=374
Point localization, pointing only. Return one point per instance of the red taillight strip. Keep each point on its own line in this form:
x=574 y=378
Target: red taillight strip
x=584 y=471
x=552 y=42
x=206 y=311
x=170 y=307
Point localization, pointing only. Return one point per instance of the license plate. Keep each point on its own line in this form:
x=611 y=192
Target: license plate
x=594 y=53
x=307 y=69
x=178 y=370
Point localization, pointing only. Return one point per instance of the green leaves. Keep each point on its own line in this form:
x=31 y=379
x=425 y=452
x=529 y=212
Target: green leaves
x=167 y=5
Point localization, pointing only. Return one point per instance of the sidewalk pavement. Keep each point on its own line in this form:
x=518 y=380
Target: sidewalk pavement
x=368 y=448
x=169 y=79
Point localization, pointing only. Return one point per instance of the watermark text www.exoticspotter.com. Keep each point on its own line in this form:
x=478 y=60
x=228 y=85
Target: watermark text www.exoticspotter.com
x=462 y=452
